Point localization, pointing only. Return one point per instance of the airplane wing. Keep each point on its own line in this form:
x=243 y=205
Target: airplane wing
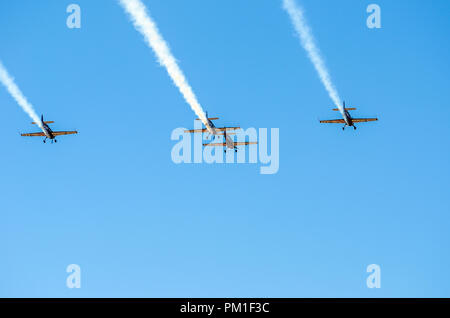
x=227 y=128
x=245 y=143
x=38 y=134
x=196 y=130
x=223 y=144
x=60 y=133
x=216 y=144
x=333 y=121
x=363 y=120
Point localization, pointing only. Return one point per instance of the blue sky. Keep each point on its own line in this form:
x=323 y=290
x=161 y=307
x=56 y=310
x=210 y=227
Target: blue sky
x=111 y=200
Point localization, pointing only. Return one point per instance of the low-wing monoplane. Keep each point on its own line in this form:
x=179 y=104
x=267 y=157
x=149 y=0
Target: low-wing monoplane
x=47 y=132
x=348 y=120
x=214 y=131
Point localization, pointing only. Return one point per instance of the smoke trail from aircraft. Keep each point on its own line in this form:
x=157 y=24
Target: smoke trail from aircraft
x=147 y=27
x=308 y=43
x=15 y=92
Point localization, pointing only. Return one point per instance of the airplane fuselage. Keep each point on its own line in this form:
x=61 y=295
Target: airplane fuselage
x=47 y=131
x=348 y=118
x=211 y=128
x=228 y=141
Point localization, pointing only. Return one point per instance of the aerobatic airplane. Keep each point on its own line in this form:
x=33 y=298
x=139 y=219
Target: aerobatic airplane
x=214 y=131
x=348 y=120
x=47 y=132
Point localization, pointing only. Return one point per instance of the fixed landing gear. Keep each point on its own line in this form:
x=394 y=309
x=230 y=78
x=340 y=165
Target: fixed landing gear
x=52 y=140
x=343 y=128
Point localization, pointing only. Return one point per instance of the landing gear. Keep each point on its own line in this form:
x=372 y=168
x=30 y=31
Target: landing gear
x=44 y=140
x=343 y=128
x=235 y=150
x=56 y=140
x=354 y=127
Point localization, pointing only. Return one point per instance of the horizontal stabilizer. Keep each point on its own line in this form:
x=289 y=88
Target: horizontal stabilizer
x=213 y=118
x=45 y=122
x=346 y=108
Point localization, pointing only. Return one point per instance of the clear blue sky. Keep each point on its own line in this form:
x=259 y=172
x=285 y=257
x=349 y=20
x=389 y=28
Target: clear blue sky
x=111 y=200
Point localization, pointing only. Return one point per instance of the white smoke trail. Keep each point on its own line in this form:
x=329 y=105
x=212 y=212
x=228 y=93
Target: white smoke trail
x=15 y=92
x=308 y=43
x=145 y=25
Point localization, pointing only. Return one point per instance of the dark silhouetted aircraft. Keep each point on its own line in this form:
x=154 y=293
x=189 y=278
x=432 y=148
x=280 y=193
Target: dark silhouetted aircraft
x=220 y=131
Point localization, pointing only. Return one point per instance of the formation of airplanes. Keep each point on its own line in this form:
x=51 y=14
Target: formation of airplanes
x=214 y=131
x=210 y=129
x=47 y=132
